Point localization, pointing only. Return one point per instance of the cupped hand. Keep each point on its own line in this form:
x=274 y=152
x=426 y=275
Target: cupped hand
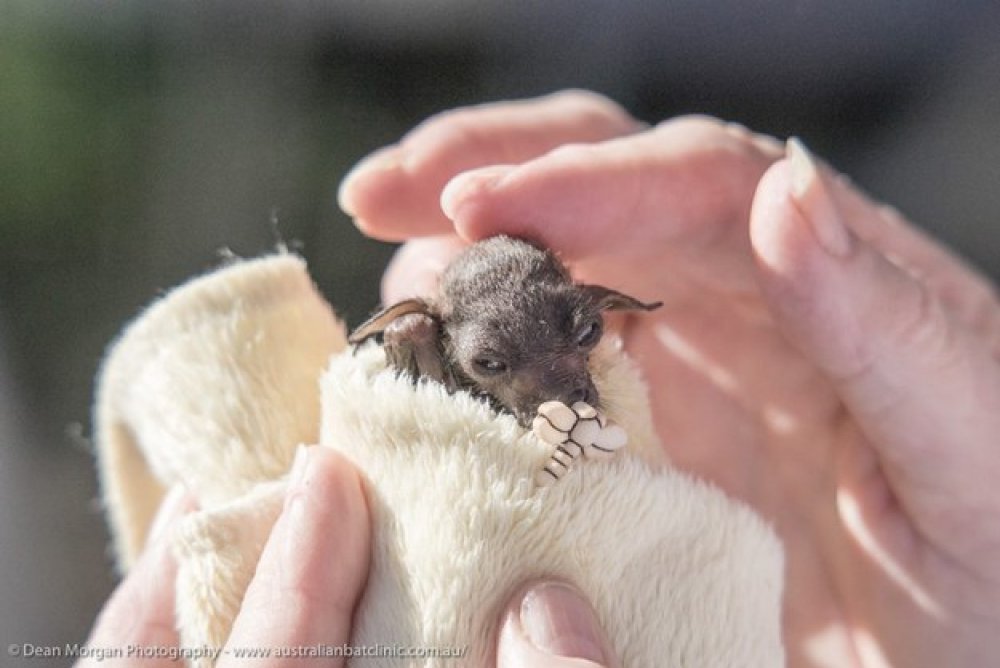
x=816 y=357
x=303 y=594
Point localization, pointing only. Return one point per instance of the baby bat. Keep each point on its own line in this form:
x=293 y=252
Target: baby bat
x=508 y=324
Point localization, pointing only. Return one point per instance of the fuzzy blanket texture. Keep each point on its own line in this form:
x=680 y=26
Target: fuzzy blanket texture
x=216 y=384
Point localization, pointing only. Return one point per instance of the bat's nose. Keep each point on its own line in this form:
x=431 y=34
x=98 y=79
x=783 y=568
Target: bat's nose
x=586 y=394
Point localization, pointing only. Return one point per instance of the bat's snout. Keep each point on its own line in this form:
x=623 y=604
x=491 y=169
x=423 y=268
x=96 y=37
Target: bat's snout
x=574 y=390
x=587 y=394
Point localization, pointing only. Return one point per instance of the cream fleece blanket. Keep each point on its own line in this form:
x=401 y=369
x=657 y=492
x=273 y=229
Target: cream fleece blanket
x=217 y=383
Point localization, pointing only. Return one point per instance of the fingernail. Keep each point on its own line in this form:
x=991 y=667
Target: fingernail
x=382 y=160
x=811 y=192
x=558 y=621
x=298 y=470
x=295 y=507
x=467 y=184
x=174 y=504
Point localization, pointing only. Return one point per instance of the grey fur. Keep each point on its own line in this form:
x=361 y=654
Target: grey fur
x=503 y=301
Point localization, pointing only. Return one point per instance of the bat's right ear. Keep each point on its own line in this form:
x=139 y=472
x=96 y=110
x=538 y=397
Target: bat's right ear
x=377 y=323
x=607 y=299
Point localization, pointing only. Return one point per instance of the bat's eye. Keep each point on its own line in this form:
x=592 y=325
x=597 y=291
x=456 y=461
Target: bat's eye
x=589 y=335
x=490 y=365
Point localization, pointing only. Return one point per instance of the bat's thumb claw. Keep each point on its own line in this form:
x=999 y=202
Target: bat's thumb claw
x=607 y=442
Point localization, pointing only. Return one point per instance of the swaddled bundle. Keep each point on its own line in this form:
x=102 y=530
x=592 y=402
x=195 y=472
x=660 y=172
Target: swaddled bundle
x=216 y=385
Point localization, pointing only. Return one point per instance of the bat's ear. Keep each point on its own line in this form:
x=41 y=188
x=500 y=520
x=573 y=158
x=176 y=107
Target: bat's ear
x=378 y=322
x=607 y=299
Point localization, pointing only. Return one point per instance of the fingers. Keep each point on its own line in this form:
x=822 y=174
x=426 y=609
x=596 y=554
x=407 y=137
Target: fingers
x=313 y=568
x=140 y=614
x=393 y=194
x=417 y=265
x=962 y=289
x=550 y=625
x=688 y=182
x=922 y=385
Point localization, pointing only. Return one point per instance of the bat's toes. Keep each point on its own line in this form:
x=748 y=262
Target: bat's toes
x=574 y=430
x=548 y=432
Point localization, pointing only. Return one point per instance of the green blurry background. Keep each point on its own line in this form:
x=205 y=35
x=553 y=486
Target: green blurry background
x=139 y=138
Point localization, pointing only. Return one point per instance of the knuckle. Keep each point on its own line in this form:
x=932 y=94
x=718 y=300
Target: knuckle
x=984 y=315
x=597 y=109
x=693 y=123
x=923 y=324
x=584 y=97
x=712 y=136
x=450 y=129
x=479 y=127
x=917 y=323
x=573 y=153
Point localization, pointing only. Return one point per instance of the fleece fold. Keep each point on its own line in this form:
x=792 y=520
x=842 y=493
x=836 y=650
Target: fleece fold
x=215 y=385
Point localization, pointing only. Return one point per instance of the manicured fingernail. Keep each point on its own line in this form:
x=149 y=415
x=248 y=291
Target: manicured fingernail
x=382 y=160
x=558 y=621
x=460 y=188
x=811 y=192
x=177 y=502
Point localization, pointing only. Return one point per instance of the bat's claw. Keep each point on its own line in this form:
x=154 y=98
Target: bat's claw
x=608 y=441
x=573 y=430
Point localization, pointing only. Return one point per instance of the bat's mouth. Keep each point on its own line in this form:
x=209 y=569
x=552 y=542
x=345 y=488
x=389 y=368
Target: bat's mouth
x=525 y=413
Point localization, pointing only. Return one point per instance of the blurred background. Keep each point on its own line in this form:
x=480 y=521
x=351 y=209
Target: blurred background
x=139 y=138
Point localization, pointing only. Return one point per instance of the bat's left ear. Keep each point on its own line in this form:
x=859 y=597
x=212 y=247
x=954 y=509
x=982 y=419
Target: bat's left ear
x=377 y=323
x=607 y=299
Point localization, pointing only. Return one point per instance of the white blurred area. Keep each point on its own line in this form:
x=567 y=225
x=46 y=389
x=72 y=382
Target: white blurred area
x=186 y=124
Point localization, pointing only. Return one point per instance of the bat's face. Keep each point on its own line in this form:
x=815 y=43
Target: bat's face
x=509 y=323
x=525 y=352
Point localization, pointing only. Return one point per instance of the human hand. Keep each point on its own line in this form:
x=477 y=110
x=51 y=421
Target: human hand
x=550 y=625
x=816 y=357
x=303 y=593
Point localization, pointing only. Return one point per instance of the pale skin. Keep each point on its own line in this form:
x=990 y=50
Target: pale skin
x=295 y=598
x=816 y=357
x=308 y=582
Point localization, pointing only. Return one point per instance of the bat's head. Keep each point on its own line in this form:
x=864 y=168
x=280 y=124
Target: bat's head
x=508 y=323
x=518 y=329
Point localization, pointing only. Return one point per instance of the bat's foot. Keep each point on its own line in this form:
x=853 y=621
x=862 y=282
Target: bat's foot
x=574 y=430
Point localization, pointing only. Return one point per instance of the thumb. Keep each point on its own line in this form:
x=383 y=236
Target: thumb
x=920 y=383
x=551 y=625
